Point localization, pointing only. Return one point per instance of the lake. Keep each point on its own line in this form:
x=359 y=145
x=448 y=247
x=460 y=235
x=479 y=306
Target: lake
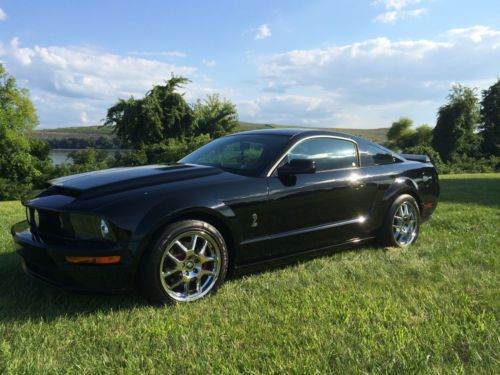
x=59 y=156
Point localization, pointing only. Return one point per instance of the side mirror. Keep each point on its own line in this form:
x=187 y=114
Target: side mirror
x=297 y=166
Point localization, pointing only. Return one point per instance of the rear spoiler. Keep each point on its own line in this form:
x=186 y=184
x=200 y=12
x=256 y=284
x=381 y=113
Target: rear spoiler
x=415 y=157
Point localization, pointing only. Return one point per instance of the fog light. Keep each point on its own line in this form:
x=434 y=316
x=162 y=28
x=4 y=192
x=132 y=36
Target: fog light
x=36 y=218
x=104 y=228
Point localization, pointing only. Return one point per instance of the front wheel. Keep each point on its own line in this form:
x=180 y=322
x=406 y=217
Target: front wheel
x=188 y=261
x=402 y=222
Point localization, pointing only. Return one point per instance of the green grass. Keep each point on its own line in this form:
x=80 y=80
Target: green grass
x=377 y=135
x=432 y=308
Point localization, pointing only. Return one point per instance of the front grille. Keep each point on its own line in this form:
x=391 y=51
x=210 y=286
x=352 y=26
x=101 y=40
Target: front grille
x=51 y=225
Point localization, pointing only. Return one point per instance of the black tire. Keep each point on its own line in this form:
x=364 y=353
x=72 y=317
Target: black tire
x=158 y=262
x=389 y=233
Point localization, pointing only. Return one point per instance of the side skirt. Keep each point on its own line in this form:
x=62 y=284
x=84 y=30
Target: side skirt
x=276 y=262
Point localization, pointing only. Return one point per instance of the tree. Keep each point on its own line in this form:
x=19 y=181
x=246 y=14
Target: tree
x=215 y=117
x=17 y=118
x=456 y=124
x=490 y=120
x=422 y=136
x=401 y=135
x=162 y=114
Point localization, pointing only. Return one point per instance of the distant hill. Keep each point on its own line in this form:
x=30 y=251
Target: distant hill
x=96 y=131
x=377 y=135
x=85 y=132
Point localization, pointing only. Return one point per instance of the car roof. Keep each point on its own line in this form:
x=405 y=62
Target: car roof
x=299 y=132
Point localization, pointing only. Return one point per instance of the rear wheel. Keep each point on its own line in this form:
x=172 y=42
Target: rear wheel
x=187 y=262
x=402 y=223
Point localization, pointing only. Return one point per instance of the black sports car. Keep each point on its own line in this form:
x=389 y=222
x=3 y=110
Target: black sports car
x=236 y=203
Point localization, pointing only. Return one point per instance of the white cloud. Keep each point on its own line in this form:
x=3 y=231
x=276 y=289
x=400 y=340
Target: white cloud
x=3 y=15
x=83 y=82
x=170 y=54
x=84 y=118
x=208 y=63
x=397 y=10
x=375 y=81
x=263 y=32
x=397 y=4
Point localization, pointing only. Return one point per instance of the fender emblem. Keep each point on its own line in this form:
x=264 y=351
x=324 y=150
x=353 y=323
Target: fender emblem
x=254 y=221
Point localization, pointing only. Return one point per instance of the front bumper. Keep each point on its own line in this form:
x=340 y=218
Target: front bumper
x=48 y=263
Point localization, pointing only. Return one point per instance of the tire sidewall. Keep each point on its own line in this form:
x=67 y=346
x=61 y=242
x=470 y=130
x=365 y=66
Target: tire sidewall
x=149 y=277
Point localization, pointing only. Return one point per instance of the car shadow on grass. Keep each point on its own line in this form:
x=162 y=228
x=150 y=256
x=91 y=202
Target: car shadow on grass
x=481 y=191
x=24 y=298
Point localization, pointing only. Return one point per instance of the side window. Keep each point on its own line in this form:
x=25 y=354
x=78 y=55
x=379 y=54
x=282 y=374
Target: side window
x=378 y=156
x=239 y=154
x=328 y=153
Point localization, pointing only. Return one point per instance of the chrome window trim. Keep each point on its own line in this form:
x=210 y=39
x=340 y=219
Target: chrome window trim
x=275 y=165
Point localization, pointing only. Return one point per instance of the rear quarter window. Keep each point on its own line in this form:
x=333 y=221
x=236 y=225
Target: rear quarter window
x=373 y=155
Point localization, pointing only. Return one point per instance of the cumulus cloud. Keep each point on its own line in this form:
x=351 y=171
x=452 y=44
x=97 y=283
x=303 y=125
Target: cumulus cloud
x=370 y=78
x=397 y=10
x=3 y=15
x=83 y=81
x=170 y=54
x=263 y=32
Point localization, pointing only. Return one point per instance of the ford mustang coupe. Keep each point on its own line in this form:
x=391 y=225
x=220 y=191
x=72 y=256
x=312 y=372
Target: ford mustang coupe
x=237 y=203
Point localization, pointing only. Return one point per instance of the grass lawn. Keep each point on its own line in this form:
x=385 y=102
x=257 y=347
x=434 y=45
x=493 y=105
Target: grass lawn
x=432 y=308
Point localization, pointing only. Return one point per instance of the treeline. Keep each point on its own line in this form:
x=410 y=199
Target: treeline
x=160 y=127
x=466 y=137
x=81 y=143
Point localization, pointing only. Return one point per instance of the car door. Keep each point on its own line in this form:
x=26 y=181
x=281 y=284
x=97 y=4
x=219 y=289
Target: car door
x=315 y=210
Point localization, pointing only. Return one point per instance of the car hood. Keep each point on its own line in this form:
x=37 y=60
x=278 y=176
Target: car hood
x=87 y=185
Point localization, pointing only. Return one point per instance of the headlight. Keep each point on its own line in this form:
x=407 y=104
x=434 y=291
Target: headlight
x=91 y=227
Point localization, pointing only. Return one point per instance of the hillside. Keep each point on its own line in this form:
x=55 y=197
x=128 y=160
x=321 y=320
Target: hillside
x=96 y=131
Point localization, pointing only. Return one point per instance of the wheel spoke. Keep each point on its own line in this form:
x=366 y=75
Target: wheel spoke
x=206 y=272
x=198 y=285
x=186 y=288
x=194 y=240
x=205 y=259
x=204 y=247
x=172 y=257
x=176 y=284
x=169 y=273
x=181 y=246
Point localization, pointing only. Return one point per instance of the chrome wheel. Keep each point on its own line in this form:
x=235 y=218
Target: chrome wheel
x=405 y=224
x=190 y=266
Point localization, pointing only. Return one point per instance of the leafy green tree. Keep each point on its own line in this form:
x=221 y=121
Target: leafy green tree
x=162 y=114
x=215 y=117
x=456 y=124
x=17 y=118
x=422 y=136
x=401 y=135
x=490 y=120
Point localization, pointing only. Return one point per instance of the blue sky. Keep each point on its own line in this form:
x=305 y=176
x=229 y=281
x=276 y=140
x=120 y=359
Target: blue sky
x=359 y=64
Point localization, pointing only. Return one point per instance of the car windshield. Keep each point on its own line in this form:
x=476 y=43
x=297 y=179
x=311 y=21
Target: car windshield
x=246 y=154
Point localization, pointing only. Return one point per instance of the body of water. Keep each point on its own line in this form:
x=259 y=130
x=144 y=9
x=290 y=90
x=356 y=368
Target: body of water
x=60 y=156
